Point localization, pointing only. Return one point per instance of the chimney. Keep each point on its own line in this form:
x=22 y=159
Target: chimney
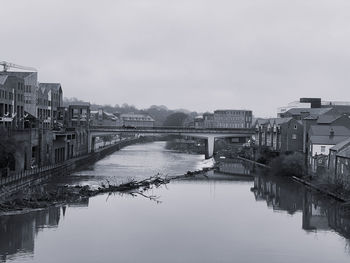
x=331 y=133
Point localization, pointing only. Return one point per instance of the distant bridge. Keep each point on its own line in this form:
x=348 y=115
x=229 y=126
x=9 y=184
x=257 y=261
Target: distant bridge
x=210 y=134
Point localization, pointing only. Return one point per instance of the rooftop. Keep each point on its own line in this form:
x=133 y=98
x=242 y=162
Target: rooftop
x=341 y=145
x=311 y=111
x=3 y=79
x=327 y=140
x=330 y=135
x=325 y=130
x=54 y=86
x=344 y=153
x=327 y=119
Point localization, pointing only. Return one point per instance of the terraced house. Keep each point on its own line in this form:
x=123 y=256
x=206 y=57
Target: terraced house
x=279 y=134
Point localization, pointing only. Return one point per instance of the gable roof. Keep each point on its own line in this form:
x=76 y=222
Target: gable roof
x=325 y=130
x=322 y=134
x=51 y=86
x=327 y=140
x=327 y=119
x=280 y=121
x=344 y=153
x=341 y=145
x=311 y=111
x=3 y=79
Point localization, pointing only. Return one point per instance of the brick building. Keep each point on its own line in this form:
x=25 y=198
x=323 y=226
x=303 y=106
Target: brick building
x=279 y=134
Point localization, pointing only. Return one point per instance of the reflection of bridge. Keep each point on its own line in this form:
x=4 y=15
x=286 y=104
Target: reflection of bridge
x=240 y=135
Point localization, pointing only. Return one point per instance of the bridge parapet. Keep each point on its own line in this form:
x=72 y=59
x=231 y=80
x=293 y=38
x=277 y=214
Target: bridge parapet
x=173 y=130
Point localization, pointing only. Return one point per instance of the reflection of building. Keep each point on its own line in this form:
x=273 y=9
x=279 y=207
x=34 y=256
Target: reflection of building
x=279 y=193
x=319 y=212
x=18 y=232
x=234 y=166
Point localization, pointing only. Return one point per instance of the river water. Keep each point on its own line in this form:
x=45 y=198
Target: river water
x=230 y=216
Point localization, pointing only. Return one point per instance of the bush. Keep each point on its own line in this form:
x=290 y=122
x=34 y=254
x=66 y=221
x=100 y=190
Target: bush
x=289 y=165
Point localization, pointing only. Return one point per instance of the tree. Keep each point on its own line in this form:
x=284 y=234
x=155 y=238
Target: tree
x=289 y=165
x=176 y=119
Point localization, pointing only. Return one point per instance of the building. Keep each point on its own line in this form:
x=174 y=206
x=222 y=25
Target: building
x=136 y=120
x=30 y=89
x=279 y=134
x=54 y=99
x=339 y=163
x=102 y=118
x=11 y=102
x=321 y=139
x=232 y=119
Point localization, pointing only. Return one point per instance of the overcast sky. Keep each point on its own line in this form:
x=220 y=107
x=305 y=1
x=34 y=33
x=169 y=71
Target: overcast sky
x=196 y=54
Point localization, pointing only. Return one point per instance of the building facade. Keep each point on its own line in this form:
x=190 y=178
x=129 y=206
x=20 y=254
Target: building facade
x=136 y=120
x=279 y=134
x=233 y=119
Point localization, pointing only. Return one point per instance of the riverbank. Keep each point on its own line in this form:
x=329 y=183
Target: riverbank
x=325 y=188
x=14 y=183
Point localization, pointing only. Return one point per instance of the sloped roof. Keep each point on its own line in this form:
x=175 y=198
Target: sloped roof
x=341 y=145
x=324 y=130
x=328 y=119
x=327 y=140
x=3 y=79
x=20 y=74
x=344 y=153
x=311 y=111
x=280 y=121
x=52 y=86
x=261 y=121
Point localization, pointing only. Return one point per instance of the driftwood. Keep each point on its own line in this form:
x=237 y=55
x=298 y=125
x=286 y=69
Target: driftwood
x=41 y=197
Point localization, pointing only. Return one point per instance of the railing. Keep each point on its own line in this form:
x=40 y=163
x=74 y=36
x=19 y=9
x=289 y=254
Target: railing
x=11 y=177
x=172 y=129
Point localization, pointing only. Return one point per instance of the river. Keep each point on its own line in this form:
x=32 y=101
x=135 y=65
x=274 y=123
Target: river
x=230 y=216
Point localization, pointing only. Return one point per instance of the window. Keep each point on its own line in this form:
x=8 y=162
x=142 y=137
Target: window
x=295 y=127
x=294 y=136
x=323 y=149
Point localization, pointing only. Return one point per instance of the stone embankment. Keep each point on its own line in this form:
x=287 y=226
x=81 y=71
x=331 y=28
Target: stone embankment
x=13 y=183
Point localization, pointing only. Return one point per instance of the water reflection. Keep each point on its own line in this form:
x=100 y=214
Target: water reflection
x=234 y=166
x=18 y=231
x=319 y=213
x=210 y=218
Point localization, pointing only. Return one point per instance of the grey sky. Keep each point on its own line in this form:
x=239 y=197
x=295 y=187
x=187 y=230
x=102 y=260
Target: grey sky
x=194 y=54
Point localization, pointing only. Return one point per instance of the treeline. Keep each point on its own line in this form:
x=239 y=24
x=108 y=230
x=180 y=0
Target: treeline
x=160 y=113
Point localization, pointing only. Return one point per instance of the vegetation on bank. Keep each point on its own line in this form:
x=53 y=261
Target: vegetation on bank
x=281 y=164
x=289 y=164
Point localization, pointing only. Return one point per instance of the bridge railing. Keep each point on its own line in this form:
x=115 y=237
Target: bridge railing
x=172 y=128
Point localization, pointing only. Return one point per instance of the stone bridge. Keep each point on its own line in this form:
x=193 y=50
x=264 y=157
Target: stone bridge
x=209 y=134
